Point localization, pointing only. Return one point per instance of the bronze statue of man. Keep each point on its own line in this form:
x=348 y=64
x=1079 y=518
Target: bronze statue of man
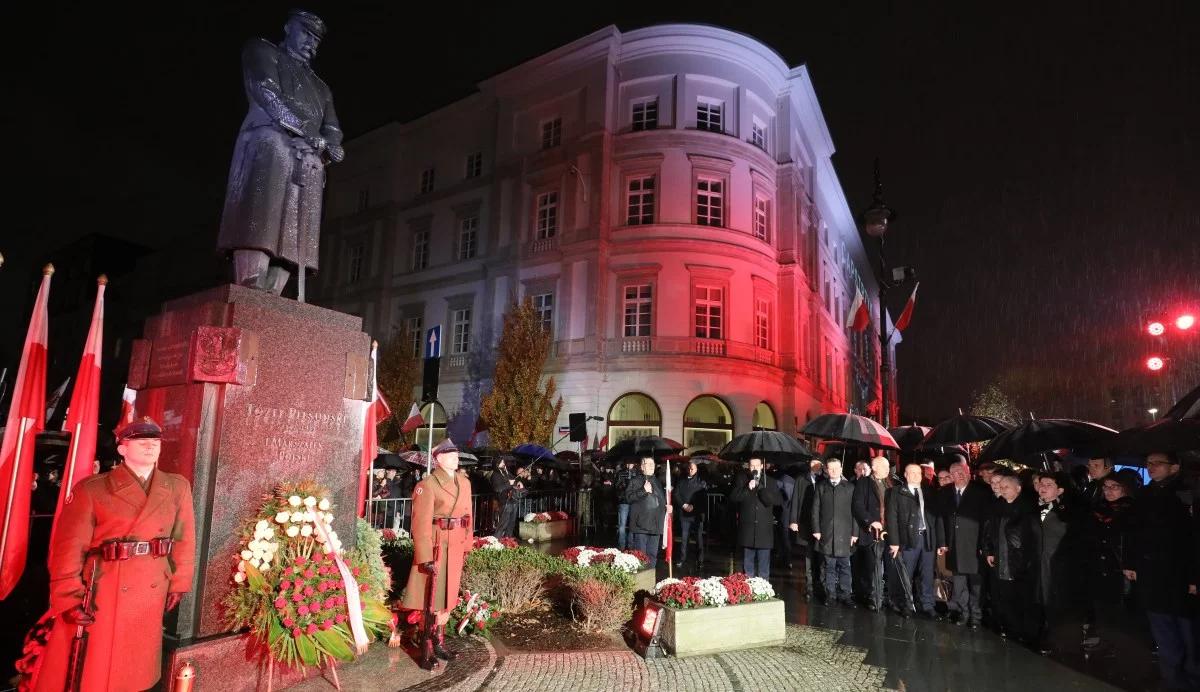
x=272 y=216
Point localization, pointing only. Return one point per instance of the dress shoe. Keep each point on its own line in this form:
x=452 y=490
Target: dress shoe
x=872 y=607
x=848 y=603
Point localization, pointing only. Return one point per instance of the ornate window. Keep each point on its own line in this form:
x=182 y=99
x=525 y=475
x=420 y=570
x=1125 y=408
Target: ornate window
x=708 y=115
x=551 y=133
x=468 y=233
x=762 y=218
x=474 y=165
x=639 y=306
x=633 y=415
x=707 y=423
x=461 y=320
x=709 y=312
x=547 y=215
x=412 y=336
x=427 y=181
x=764 y=417
x=354 y=264
x=710 y=202
x=543 y=303
x=639 y=200
x=645 y=115
x=762 y=324
x=420 y=250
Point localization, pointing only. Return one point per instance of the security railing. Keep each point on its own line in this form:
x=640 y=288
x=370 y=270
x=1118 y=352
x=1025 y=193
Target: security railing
x=396 y=513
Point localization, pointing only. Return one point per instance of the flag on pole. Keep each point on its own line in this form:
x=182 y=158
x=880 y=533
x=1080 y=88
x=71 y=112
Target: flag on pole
x=480 y=426
x=370 y=444
x=906 y=316
x=128 y=407
x=414 y=420
x=55 y=398
x=668 y=534
x=84 y=412
x=596 y=441
x=860 y=314
x=26 y=418
x=603 y=443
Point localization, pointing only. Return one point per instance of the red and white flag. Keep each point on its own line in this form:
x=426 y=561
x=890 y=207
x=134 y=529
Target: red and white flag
x=377 y=410
x=860 y=313
x=84 y=413
x=26 y=418
x=128 y=407
x=668 y=525
x=480 y=426
x=906 y=316
x=413 y=421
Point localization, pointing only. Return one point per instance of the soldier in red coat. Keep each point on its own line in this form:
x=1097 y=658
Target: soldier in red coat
x=136 y=523
x=441 y=524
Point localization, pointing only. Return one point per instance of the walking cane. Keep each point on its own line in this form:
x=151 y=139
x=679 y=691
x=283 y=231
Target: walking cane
x=79 y=643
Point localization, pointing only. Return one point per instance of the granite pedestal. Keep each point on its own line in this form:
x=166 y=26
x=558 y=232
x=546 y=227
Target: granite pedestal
x=251 y=390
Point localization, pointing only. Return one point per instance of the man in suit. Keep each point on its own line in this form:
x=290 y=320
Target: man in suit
x=133 y=528
x=755 y=497
x=690 y=496
x=835 y=531
x=800 y=525
x=913 y=535
x=870 y=496
x=963 y=507
x=787 y=490
x=1097 y=470
x=508 y=490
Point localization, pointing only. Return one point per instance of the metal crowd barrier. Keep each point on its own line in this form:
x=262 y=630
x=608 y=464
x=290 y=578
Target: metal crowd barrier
x=396 y=513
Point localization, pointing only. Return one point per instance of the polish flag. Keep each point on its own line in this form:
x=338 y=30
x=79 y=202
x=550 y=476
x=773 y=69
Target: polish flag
x=26 y=418
x=906 y=316
x=860 y=315
x=377 y=409
x=128 y=403
x=84 y=412
x=480 y=426
x=414 y=420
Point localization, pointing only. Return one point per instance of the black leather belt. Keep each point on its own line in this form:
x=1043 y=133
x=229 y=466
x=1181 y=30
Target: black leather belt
x=123 y=550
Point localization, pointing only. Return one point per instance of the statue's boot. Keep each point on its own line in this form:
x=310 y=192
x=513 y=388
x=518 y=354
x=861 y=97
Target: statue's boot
x=439 y=645
x=250 y=268
x=277 y=278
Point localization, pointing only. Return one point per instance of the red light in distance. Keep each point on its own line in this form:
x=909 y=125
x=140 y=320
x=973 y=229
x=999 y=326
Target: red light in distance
x=1156 y=328
x=1185 y=321
x=1154 y=363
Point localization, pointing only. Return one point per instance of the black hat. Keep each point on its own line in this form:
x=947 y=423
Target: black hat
x=144 y=429
x=446 y=445
x=311 y=22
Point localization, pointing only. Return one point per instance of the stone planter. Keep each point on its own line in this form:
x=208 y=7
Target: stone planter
x=544 y=531
x=698 y=631
x=644 y=580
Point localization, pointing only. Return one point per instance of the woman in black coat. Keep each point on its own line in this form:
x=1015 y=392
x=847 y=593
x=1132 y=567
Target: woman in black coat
x=755 y=496
x=1008 y=548
x=1106 y=532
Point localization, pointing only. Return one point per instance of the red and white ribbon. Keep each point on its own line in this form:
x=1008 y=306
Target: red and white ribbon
x=353 y=604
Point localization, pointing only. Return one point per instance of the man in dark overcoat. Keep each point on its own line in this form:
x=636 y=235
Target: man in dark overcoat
x=835 y=531
x=755 y=497
x=963 y=506
x=914 y=533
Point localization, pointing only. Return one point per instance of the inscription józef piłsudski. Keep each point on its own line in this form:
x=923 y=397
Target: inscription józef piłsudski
x=296 y=435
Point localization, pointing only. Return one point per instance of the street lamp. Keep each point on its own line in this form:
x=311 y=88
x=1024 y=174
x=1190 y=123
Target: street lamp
x=1153 y=413
x=875 y=221
x=1185 y=322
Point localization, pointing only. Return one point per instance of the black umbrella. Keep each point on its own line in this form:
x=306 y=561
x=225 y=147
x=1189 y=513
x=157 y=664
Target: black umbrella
x=634 y=447
x=963 y=428
x=909 y=436
x=848 y=427
x=387 y=460
x=1187 y=408
x=768 y=445
x=1166 y=435
x=1044 y=435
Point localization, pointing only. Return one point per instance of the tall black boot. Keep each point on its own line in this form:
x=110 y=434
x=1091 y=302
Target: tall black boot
x=428 y=647
x=439 y=645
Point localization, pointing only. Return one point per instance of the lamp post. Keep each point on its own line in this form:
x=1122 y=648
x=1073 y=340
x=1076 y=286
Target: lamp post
x=875 y=220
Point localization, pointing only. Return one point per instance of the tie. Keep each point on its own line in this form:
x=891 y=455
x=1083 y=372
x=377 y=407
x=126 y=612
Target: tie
x=957 y=496
x=921 y=502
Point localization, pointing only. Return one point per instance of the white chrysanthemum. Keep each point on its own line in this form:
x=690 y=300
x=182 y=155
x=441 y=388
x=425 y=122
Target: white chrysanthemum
x=295 y=501
x=666 y=582
x=306 y=530
x=585 y=558
x=239 y=577
x=713 y=592
x=612 y=551
x=297 y=517
x=247 y=554
x=530 y=517
x=293 y=531
x=320 y=537
x=283 y=517
x=255 y=562
x=323 y=505
x=262 y=525
x=328 y=549
x=626 y=562
x=761 y=588
x=401 y=533
x=310 y=502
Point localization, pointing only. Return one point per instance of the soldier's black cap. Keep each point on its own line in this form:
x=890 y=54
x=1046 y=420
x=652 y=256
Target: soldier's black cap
x=144 y=429
x=311 y=22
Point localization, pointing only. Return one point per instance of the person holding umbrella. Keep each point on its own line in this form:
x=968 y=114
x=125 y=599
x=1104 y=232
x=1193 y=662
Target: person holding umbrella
x=509 y=490
x=868 y=507
x=914 y=532
x=647 y=502
x=835 y=531
x=755 y=496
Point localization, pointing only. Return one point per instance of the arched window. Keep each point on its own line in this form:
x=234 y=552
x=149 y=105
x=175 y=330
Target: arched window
x=764 y=417
x=633 y=415
x=707 y=422
x=435 y=412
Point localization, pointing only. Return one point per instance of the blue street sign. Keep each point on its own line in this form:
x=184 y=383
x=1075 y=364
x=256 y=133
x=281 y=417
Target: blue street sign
x=433 y=342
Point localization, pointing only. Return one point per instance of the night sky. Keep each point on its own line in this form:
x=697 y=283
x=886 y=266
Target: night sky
x=1043 y=160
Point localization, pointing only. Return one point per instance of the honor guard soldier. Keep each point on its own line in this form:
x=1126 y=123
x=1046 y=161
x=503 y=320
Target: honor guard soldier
x=442 y=532
x=121 y=557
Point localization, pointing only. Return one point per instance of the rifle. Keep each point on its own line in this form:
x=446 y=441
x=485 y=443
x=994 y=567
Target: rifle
x=79 y=643
x=430 y=620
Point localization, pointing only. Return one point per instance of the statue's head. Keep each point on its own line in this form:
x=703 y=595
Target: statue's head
x=302 y=34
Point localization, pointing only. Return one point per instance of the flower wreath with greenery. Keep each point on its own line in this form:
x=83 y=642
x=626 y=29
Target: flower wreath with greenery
x=291 y=579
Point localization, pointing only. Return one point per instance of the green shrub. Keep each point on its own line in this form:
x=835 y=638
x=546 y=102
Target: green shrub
x=601 y=596
x=512 y=579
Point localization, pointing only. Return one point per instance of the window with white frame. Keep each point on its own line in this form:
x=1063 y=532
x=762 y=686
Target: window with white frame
x=710 y=202
x=474 y=165
x=762 y=323
x=468 y=236
x=645 y=115
x=551 y=133
x=639 y=200
x=709 y=314
x=412 y=336
x=420 y=250
x=427 y=181
x=639 y=304
x=543 y=303
x=758 y=135
x=708 y=115
x=461 y=323
x=354 y=262
x=762 y=218
x=547 y=215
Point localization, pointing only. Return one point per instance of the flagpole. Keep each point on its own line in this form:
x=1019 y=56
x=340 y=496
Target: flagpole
x=12 y=485
x=429 y=451
x=667 y=529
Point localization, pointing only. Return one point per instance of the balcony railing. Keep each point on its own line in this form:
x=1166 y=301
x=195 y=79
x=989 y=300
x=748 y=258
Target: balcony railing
x=709 y=347
x=667 y=345
x=543 y=245
x=456 y=360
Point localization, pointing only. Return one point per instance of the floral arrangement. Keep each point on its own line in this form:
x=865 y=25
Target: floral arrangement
x=542 y=517
x=396 y=538
x=629 y=561
x=291 y=580
x=493 y=543
x=473 y=615
x=712 y=592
